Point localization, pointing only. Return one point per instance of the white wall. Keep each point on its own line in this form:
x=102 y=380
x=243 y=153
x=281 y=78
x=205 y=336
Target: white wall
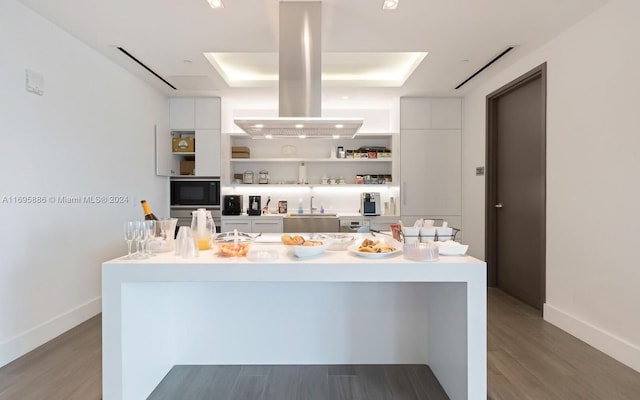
x=91 y=133
x=593 y=194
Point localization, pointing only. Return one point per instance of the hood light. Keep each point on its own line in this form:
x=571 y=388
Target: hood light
x=215 y=4
x=389 y=4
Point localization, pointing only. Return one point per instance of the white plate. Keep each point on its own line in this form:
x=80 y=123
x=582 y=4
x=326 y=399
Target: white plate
x=390 y=241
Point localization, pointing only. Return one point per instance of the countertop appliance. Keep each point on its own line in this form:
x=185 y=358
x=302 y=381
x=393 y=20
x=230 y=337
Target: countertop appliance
x=370 y=203
x=354 y=225
x=255 y=206
x=192 y=192
x=232 y=205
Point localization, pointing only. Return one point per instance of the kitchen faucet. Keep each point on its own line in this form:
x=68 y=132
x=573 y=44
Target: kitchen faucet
x=311 y=208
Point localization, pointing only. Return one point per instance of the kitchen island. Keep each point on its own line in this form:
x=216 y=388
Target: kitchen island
x=337 y=308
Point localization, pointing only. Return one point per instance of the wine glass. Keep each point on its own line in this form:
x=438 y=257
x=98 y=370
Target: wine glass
x=139 y=238
x=150 y=234
x=129 y=235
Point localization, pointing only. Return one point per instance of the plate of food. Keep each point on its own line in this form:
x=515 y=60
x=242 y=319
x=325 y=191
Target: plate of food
x=305 y=248
x=376 y=248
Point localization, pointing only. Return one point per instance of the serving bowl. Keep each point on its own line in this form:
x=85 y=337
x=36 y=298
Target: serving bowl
x=452 y=248
x=230 y=244
x=340 y=241
x=426 y=251
x=306 y=251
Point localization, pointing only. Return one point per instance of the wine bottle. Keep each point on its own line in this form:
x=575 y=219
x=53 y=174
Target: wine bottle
x=148 y=215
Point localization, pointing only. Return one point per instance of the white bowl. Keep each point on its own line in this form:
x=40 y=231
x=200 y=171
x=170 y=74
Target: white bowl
x=310 y=251
x=410 y=231
x=451 y=248
x=421 y=251
x=340 y=241
x=427 y=234
x=444 y=234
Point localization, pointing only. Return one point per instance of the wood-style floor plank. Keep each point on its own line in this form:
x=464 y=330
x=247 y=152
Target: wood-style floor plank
x=527 y=359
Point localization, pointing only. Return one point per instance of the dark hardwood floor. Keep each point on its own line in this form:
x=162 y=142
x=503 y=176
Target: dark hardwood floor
x=528 y=359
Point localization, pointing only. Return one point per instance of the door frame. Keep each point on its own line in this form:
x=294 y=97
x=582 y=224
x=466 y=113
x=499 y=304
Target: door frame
x=491 y=174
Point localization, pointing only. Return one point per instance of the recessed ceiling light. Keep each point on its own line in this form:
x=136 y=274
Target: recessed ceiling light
x=268 y=136
x=389 y=4
x=345 y=97
x=339 y=126
x=259 y=126
x=336 y=136
x=302 y=136
x=299 y=126
x=216 y=3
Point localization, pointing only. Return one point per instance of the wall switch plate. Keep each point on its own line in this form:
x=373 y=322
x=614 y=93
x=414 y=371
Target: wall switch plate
x=479 y=171
x=34 y=82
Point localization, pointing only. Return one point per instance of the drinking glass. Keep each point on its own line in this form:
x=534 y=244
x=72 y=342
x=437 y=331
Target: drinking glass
x=184 y=234
x=129 y=235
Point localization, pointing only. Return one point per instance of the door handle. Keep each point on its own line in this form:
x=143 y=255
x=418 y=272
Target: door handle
x=499 y=205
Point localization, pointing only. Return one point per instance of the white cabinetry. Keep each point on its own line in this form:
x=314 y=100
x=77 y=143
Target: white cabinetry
x=430 y=166
x=192 y=117
x=191 y=113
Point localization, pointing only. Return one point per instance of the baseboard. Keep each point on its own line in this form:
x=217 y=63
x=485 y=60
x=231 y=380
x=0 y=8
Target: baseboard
x=26 y=341
x=620 y=349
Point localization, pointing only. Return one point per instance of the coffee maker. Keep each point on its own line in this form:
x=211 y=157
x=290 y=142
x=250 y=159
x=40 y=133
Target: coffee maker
x=255 y=207
x=370 y=203
x=232 y=205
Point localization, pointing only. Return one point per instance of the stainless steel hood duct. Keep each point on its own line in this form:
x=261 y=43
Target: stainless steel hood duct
x=300 y=80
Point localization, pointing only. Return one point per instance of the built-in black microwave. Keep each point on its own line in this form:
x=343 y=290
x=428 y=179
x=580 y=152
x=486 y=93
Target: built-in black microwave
x=195 y=192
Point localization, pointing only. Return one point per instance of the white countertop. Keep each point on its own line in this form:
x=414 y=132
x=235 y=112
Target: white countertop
x=330 y=266
x=331 y=309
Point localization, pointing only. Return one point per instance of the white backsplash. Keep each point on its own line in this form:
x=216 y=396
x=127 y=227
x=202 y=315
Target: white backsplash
x=334 y=198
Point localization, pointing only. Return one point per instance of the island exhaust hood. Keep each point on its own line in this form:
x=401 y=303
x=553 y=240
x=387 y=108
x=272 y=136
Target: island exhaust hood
x=299 y=82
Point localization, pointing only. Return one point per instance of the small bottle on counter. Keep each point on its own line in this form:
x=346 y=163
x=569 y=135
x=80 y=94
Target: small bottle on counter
x=300 y=211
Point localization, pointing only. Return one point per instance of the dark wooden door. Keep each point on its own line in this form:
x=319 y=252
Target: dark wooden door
x=516 y=188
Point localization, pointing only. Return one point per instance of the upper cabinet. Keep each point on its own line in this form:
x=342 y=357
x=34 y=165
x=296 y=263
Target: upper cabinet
x=430 y=113
x=191 y=113
x=194 y=122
